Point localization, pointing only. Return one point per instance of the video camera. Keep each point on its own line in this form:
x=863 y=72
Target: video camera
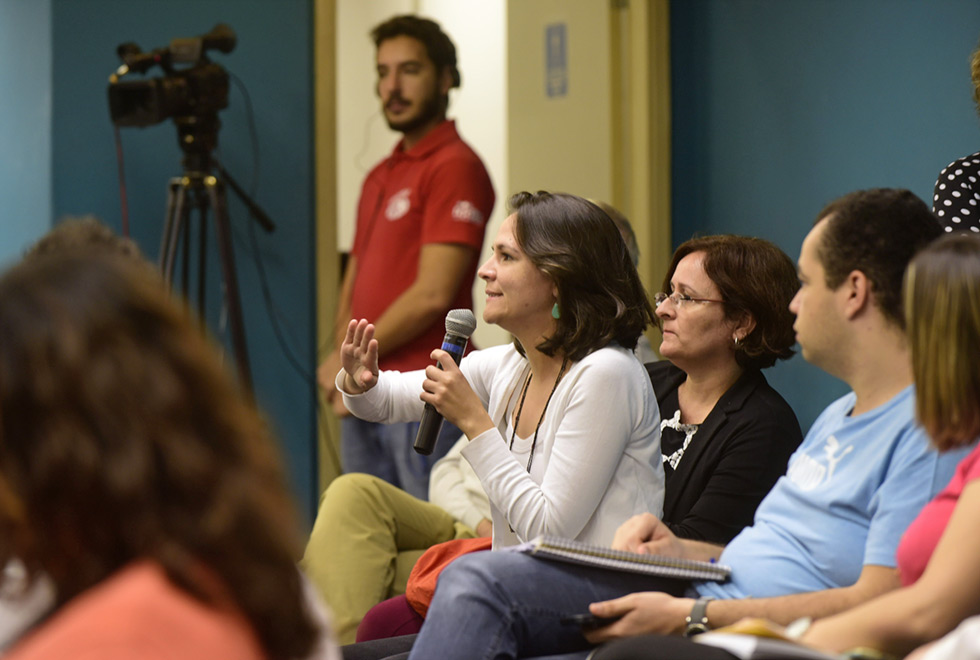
x=194 y=94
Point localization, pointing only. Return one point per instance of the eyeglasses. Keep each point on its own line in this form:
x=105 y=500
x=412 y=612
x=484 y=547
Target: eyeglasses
x=681 y=300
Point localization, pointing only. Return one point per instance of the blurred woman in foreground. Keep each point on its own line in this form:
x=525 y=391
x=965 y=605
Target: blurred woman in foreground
x=136 y=477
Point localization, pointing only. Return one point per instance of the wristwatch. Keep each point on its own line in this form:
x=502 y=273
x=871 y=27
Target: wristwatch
x=697 y=620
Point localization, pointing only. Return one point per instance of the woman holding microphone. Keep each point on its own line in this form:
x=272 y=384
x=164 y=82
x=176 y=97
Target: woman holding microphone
x=563 y=425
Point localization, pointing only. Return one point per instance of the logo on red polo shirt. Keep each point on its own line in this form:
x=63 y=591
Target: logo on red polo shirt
x=466 y=212
x=399 y=204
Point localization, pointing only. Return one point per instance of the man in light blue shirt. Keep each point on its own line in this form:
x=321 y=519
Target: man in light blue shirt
x=823 y=540
x=852 y=488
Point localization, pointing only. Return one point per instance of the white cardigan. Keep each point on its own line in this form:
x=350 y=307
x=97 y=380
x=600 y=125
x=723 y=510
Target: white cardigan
x=597 y=460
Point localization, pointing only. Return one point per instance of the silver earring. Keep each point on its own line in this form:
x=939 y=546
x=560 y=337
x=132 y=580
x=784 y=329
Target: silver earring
x=736 y=341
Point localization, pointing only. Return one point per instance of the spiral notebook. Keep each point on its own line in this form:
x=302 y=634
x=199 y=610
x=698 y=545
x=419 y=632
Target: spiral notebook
x=576 y=552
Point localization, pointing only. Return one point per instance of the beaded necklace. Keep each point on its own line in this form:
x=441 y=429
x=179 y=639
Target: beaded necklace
x=520 y=408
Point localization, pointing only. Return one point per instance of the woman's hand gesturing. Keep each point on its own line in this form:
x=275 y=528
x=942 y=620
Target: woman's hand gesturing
x=359 y=357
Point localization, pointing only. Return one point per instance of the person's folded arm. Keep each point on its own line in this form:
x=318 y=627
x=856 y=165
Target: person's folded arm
x=645 y=533
x=932 y=606
x=442 y=271
x=658 y=613
x=873 y=581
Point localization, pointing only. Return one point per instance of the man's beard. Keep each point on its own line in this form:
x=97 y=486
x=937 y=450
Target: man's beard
x=431 y=108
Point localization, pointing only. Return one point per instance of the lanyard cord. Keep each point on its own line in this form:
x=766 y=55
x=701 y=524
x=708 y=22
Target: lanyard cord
x=520 y=408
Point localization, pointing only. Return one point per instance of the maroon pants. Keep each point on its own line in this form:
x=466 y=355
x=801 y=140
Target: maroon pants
x=389 y=618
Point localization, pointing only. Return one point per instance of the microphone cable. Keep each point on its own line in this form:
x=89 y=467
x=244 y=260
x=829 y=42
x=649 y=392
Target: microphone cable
x=124 y=203
x=276 y=317
x=272 y=310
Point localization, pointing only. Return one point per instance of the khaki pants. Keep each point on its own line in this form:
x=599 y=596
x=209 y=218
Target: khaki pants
x=366 y=538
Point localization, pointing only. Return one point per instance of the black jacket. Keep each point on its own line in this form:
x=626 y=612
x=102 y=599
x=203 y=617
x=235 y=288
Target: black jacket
x=739 y=452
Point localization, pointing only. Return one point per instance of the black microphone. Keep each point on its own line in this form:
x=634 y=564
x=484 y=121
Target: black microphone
x=460 y=324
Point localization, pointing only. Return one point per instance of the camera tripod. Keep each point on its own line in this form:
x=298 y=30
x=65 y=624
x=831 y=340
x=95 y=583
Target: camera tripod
x=202 y=187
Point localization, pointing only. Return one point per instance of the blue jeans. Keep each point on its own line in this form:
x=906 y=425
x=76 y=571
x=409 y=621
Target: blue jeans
x=385 y=450
x=494 y=605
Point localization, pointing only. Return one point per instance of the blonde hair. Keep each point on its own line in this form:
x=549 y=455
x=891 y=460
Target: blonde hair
x=942 y=307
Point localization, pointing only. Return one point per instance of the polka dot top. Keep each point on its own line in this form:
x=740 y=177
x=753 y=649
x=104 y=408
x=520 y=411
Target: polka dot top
x=956 y=200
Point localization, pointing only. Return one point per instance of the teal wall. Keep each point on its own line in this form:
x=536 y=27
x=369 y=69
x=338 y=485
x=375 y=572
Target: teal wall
x=25 y=124
x=780 y=106
x=273 y=59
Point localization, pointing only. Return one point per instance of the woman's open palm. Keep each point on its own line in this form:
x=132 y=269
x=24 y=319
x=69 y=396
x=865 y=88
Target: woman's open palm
x=359 y=356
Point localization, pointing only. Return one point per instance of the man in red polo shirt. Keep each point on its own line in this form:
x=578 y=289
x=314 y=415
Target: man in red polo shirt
x=420 y=227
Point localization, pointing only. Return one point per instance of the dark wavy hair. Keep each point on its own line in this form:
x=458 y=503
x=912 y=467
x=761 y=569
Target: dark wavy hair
x=122 y=439
x=877 y=232
x=753 y=277
x=600 y=296
x=438 y=45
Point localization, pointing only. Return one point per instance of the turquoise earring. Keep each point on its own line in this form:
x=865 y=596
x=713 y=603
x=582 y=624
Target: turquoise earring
x=555 y=312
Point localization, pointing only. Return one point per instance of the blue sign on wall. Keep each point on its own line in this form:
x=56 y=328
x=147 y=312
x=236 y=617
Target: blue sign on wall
x=556 y=60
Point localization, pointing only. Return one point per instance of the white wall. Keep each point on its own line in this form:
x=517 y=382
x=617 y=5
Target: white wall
x=363 y=138
x=480 y=108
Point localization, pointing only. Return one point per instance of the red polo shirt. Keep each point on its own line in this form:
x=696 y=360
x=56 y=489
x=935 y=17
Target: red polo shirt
x=436 y=192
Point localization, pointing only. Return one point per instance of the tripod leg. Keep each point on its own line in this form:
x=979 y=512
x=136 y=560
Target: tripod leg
x=173 y=226
x=222 y=227
x=185 y=250
x=168 y=224
x=202 y=232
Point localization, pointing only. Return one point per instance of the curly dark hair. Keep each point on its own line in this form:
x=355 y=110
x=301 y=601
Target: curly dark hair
x=86 y=232
x=438 y=45
x=753 y=277
x=579 y=247
x=877 y=232
x=122 y=438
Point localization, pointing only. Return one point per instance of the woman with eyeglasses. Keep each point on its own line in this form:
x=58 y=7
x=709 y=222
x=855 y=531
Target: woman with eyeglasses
x=939 y=554
x=726 y=435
